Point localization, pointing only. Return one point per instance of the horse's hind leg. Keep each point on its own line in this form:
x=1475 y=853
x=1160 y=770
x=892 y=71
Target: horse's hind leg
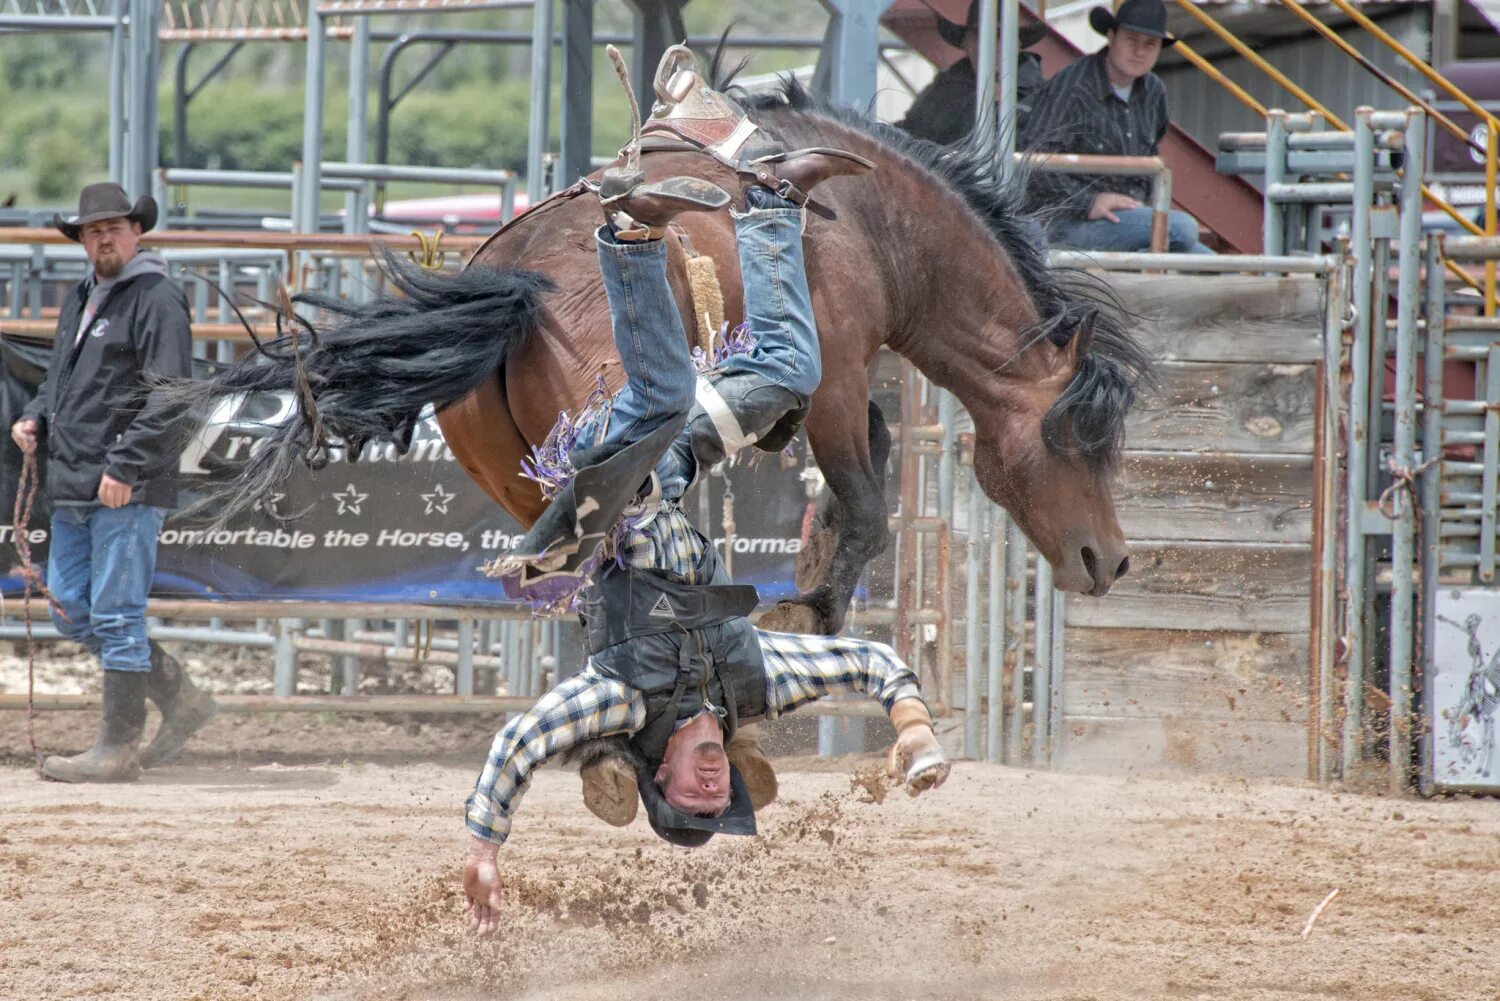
x=853 y=461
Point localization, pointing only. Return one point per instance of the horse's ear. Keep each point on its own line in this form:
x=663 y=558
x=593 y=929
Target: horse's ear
x=1082 y=341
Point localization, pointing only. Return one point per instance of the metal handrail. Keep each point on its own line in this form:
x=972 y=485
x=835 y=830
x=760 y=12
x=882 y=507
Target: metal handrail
x=1411 y=96
x=1138 y=166
x=1259 y=62
x=1492 y=126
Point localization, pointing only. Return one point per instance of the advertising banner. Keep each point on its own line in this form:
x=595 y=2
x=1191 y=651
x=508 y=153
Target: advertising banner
x=391 y=527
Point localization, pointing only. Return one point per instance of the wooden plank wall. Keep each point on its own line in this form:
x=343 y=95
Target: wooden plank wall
x=1198 y=659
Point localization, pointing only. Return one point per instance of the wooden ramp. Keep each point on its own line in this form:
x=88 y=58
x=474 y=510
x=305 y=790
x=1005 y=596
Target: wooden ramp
x=1198 y=659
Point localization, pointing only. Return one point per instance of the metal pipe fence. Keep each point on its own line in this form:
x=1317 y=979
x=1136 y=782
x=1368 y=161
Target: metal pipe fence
x=1153 y=167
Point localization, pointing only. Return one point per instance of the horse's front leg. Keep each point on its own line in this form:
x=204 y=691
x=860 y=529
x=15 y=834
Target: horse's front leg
x=852 y=455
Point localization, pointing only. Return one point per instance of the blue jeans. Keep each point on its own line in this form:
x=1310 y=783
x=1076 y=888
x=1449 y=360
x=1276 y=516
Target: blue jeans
x=1131 y=233
x=99 y=568
x=654 y=348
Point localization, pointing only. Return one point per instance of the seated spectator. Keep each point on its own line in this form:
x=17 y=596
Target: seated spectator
x=944 y=111
x=1108 y=104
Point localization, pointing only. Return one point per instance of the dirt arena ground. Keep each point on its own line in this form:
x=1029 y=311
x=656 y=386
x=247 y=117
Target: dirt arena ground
x=304 y=857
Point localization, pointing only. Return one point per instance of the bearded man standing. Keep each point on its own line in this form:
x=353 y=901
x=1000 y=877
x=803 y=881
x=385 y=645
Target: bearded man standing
x=111 y=477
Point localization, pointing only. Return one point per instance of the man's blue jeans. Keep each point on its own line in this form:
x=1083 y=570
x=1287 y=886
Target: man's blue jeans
x=654 y=348
x=99 y=568
x=1131 y=233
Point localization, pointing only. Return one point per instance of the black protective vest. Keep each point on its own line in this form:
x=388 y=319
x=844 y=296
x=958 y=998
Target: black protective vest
x=679 y=645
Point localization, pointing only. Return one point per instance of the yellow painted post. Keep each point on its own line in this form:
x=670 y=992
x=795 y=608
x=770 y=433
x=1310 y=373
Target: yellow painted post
x=1490 y=139
x=1213 y=73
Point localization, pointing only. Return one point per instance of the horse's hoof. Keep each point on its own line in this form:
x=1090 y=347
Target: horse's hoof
x=792 y=617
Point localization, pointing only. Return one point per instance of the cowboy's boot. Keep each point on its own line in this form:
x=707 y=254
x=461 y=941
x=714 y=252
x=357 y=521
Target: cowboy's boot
x=792 y=174
x=638 y=211
x=113 y=757
x=185 y=708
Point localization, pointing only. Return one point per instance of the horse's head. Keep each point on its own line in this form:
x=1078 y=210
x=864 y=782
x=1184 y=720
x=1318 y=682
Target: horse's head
x=1046 y=450
x=1040 y=356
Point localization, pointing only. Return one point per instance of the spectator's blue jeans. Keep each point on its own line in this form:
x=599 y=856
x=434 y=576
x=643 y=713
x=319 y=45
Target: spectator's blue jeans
x=99 y=568
x=1131 y=233
x=654 y=348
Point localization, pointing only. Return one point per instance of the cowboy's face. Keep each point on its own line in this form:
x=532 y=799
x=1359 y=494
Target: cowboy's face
x=110 y=244
x=1131 y=54
x=694 y=772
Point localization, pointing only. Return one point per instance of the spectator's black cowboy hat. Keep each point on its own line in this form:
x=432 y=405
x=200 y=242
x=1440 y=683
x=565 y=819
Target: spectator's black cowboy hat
x=953 y=33
x=102 y=201
x=1145 y=17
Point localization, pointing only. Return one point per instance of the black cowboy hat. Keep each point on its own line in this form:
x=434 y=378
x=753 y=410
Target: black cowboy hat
x=1145 y=17
x=953 y=33
x=102 y=201
x=686 y=830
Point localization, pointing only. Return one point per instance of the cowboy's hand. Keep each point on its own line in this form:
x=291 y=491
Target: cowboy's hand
x=23 y=433
x=916 y=758
x=482 y=887
x=113 y=493
x=1107 y=203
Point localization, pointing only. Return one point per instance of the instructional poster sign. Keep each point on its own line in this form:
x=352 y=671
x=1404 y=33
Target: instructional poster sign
x=1463 y=690
x=390 y=527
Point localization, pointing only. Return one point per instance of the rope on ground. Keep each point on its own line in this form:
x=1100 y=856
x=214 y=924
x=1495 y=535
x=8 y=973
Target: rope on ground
x=26 y=489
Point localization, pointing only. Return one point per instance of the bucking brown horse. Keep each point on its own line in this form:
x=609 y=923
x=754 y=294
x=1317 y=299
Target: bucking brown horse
x=931 y=255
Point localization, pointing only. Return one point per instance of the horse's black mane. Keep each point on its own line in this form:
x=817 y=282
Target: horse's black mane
x=1094 y=405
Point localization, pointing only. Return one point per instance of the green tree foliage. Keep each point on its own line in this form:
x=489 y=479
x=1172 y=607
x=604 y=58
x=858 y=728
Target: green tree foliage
x=238 y=128
x=471 y=112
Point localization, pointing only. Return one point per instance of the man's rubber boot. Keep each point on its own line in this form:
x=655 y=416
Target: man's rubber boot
x=185 y=708
x=738 y=409
x=746 y=756
x=639 y=211
x=113 y=757
x=608 y=770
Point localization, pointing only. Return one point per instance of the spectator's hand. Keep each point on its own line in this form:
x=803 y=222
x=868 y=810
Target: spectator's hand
x=23 y=433
x=1107 y=203
x=482 y=887
x=113 y=493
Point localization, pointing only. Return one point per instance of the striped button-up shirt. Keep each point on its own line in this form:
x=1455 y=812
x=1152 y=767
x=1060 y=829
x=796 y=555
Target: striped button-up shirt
x=1079 y=112
x=799 y=669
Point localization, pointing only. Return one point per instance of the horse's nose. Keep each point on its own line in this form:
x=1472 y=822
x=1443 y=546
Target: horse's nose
x=1104 y=571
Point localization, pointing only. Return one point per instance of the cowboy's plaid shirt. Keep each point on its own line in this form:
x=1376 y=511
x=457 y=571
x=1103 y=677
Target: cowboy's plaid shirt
x=799 y=669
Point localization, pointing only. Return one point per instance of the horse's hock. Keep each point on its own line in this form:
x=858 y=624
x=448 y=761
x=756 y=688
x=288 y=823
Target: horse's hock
x=1199 y=659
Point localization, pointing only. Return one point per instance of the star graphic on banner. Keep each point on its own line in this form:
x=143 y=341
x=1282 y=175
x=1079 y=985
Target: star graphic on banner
x=270 y=504
x=438 y=500
x=349 y=500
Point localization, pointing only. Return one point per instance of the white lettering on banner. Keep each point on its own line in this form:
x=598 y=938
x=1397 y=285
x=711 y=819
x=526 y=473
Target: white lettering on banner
x=434 y=540
x=768 y=547
x=35 y=535
x=266 y=538
x=498 y=538
x=226 y=416
x=236 y=429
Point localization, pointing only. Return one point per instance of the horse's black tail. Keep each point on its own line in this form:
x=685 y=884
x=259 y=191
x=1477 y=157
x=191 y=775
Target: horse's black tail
x=366 y=374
